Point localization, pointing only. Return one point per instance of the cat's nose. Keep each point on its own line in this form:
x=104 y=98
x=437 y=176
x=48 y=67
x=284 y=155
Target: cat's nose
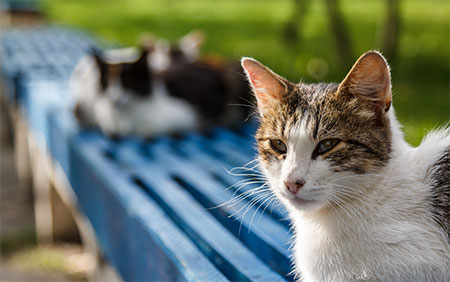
x=294 y=186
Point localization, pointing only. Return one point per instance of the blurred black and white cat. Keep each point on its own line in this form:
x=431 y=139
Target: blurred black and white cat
x=159 y=88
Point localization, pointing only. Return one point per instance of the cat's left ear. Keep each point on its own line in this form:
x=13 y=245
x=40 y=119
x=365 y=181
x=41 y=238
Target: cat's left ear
x=370 y=79
x=143 y=58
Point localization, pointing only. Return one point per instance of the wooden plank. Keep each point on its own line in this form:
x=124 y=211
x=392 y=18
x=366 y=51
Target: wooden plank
x=138 y=238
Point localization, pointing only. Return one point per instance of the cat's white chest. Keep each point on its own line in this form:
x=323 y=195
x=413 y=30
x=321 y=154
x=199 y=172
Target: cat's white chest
x=320 y=258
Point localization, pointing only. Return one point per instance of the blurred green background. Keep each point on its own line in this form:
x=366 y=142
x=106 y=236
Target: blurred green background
x=420 y=71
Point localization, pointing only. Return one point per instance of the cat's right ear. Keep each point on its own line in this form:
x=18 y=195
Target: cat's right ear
x=147 y=42
x=102 y=67
x=267 y=85
x=98 y=57
x=370 y=80
x=191 y=43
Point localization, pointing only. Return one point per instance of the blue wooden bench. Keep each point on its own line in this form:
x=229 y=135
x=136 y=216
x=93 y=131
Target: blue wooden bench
x=161 y=209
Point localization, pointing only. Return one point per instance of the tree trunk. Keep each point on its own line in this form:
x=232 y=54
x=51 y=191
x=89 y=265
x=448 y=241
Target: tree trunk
x=340 y=33
x=388 y=40
x=291 y=30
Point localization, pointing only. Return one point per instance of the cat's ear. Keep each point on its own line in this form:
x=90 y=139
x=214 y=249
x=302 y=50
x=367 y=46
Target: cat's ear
x=191 y=43
x=143 y=58
x=267 y=86
x=147 y=41
x=97 y=55
x=102 y=66
x=370 y=79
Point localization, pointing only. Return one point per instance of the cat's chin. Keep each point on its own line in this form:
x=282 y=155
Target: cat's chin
x=305 y=204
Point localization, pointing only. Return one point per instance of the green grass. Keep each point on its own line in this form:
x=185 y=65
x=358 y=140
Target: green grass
x=39 y=258
x=64 y=260
x=254 y=28
x=16 y=241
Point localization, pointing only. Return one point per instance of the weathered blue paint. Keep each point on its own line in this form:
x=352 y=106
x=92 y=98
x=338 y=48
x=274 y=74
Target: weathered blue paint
x=139 y=239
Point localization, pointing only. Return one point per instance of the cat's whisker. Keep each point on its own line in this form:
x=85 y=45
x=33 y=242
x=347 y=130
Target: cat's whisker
x=256 y=211
x=251 y=204
x=249 y=178
x=236 y=199
x=263 y=185
x=246 y=168
x=240 y=182
x=271 y=199
x=275 y=204
x=270 y=203
x=243 y=198
x=250 y=162
x=241 y=215
x=252 y=193
x=244 y=172
x=245 y=182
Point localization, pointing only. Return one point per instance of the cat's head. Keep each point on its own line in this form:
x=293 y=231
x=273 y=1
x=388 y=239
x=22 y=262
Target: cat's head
x=131 y=71
x=164 y=55
x=316 y=142
x=131 y=77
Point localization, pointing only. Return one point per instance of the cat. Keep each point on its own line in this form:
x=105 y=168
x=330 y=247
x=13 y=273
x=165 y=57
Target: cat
x=364 y=205
x=156 y=90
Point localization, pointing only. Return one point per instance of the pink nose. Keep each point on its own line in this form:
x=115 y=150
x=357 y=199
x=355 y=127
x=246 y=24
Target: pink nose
x=294 y=186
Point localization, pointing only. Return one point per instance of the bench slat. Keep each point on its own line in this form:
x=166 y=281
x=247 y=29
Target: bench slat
x=125 y=219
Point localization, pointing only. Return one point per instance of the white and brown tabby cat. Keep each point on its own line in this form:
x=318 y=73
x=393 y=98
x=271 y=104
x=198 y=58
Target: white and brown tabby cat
x=365 y=205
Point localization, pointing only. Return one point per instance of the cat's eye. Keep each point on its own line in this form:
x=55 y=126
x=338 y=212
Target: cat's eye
x=326 y=145
x=278 y=146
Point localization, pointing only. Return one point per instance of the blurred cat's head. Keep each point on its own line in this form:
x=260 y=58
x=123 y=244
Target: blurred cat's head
x=133 y=71
x=163 y=55
x=318 y=142
x=117 y=78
